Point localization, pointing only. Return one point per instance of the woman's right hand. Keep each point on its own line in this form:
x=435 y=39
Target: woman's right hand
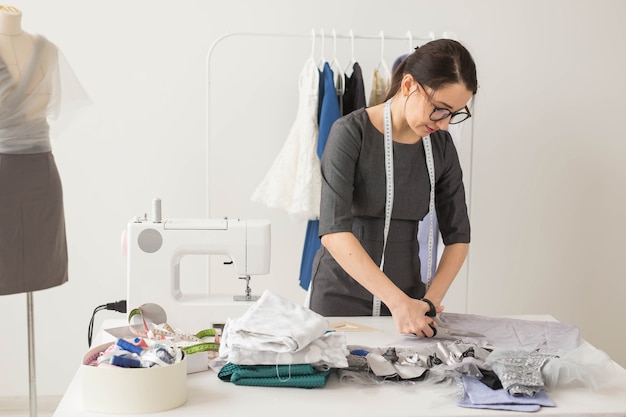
x=410 y=317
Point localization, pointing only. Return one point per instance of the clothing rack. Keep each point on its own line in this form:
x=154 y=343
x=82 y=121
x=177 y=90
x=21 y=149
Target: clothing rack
x=313 y=36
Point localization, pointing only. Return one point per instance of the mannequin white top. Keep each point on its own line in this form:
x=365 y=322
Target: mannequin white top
x=30 y=86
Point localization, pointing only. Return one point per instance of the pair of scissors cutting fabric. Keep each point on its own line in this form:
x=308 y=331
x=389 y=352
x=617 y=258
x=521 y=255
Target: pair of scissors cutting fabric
x=442 y=328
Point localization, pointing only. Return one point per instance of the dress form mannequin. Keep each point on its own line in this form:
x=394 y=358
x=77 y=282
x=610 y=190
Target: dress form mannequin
x=33 y=250
x=15 y=45
x=16 y=49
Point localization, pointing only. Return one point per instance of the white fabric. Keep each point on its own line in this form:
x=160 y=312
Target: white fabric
x=293 y=182
x=385 y=368
x=273 y=324
x=328 y=351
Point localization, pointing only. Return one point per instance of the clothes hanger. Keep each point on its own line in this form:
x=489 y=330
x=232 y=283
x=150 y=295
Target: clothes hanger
x=311 y=60
x=410 y=36
x=312 y=57
x=338 y=74
x=322 y=60
x=350 y=67
x=382 y=68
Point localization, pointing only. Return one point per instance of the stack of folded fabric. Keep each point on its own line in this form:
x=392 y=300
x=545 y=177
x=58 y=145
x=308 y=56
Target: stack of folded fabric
x=279 y=343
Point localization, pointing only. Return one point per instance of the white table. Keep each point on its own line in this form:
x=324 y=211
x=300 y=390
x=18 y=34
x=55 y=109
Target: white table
x=207 y=395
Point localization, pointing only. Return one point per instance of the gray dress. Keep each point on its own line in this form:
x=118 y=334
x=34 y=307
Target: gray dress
x=353 y=200
x=33 y=249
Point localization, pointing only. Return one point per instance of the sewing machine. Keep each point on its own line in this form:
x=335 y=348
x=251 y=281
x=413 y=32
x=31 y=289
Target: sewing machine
x=156 y=248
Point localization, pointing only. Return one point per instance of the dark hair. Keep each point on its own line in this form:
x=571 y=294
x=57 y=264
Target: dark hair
x=436 y=64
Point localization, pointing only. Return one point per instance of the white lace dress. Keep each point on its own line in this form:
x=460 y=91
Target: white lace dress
x=293 y=182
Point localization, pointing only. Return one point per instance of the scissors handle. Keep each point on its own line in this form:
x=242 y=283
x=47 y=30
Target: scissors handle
x=432 y=312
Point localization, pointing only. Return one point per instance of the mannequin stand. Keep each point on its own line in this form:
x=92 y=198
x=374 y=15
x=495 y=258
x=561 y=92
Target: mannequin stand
x=32 y=380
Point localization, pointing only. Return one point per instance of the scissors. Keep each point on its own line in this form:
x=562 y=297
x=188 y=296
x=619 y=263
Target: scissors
x=442 y=327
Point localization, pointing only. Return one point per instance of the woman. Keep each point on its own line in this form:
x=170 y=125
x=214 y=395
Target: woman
x=429 y=90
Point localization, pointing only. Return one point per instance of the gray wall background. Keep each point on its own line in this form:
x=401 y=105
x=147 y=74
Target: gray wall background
x=544 y=156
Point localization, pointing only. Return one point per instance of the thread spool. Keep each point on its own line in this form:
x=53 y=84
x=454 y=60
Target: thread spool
x=156 y=210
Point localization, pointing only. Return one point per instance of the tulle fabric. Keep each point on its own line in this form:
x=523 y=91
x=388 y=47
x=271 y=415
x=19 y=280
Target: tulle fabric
x=27 y=104
x=584 y=366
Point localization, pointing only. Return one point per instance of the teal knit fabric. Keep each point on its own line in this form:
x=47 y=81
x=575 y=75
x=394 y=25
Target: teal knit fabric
x=298 y=376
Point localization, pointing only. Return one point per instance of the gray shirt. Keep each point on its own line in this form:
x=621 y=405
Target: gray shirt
x=354 y=185
x=353 y=200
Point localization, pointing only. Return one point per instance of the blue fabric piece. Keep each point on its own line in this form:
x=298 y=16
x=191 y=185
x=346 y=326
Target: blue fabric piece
x=329 y=113
x=478 y=395
x=329 y=110
x=311 y=245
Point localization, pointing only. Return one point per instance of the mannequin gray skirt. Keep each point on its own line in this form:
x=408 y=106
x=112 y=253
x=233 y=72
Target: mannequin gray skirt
x=33 y=247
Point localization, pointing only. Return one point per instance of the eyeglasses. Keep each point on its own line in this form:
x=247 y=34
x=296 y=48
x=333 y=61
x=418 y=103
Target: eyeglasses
x=440 y=113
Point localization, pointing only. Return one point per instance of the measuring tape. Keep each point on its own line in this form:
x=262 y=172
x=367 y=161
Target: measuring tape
x=206 y=346
x=389 y=194
x=430 y=164
x=150 y=321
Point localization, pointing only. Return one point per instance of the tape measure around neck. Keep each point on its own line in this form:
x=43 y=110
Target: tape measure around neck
x=388 y=192
x=430 y=164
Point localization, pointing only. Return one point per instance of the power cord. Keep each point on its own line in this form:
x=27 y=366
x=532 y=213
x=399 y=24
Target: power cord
x=119 y=306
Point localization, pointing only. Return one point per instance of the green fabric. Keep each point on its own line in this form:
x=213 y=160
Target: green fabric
x=298 y=376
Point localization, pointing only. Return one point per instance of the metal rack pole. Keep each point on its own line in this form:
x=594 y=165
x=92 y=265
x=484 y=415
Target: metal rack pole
x=32 y=380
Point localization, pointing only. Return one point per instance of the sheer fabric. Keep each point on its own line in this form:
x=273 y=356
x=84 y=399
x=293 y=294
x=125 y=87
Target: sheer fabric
x=27 y=104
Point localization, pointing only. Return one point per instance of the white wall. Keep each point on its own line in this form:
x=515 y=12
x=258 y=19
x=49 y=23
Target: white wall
x=547 y=156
